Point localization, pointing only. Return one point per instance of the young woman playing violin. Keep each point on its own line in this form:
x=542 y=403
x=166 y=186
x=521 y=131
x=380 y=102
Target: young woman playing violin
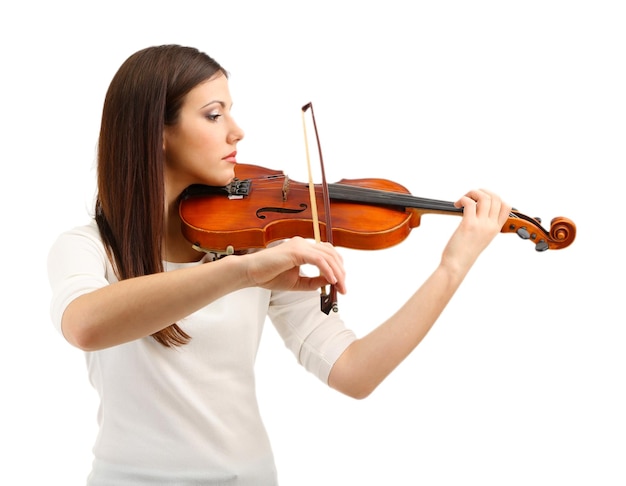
x=171 y=334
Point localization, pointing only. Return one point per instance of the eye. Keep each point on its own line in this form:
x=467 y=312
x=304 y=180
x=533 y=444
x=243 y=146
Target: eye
x=213 y=116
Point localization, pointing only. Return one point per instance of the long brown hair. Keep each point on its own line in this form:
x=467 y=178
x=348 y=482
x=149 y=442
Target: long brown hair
x=145 y=95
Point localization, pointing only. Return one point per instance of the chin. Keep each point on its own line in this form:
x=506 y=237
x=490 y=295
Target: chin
x=221 y=178
x=230 y=176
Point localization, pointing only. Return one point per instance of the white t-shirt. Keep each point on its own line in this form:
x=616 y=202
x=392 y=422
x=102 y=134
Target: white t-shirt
x=188 y=415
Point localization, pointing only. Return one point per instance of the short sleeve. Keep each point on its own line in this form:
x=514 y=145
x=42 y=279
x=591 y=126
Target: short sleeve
x=77 y=264
x=316 y=339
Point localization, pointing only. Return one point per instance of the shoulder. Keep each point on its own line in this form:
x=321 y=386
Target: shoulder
x=89 y=230
x=77 y=242
x=85 y=232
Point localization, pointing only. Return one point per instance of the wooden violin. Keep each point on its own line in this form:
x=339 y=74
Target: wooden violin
x=262 y=205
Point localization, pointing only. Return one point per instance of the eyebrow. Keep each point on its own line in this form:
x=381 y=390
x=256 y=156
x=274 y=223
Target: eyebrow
x=221 y=103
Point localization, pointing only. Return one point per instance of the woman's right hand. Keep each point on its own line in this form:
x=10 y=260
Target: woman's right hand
x=278 y=267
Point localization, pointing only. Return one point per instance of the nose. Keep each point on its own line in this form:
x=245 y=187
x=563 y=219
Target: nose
x=235 y=133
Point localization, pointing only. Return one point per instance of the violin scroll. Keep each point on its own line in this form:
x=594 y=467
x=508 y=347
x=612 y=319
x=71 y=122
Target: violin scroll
x=561 y=234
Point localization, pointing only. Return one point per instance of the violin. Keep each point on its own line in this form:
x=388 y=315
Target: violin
x=262 y=205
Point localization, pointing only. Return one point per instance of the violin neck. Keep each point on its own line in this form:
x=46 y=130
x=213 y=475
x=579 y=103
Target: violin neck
x=353 y=193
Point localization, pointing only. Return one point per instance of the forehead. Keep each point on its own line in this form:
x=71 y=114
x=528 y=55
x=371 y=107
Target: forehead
x=213 y=90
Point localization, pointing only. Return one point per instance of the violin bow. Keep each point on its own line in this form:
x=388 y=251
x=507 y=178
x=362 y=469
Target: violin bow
x=328 y=300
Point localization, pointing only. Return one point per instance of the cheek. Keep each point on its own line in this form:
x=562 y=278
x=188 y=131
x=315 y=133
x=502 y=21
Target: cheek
x=201 y=143
x=193 y=147
x=207 y=143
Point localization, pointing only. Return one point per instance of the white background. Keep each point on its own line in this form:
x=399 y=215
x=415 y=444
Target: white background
x=520 y=382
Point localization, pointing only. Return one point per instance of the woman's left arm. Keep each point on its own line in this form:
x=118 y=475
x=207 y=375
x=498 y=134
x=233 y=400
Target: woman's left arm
x=368 y=360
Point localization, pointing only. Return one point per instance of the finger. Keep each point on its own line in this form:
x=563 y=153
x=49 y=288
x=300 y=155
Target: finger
x=468 y=204
x=484 y=203
x=325 y=257
x=488 y=204
x=500 y=210
x=334 y=260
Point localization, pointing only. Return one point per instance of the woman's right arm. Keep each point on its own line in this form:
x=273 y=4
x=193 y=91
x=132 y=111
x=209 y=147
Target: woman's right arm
x=140 y=306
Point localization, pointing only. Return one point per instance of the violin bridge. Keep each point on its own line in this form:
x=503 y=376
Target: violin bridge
x=285 y=188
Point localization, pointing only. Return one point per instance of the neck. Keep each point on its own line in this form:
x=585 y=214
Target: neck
x=176 y=248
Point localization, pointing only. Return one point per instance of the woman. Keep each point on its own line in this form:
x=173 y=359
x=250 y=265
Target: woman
x=170 y=339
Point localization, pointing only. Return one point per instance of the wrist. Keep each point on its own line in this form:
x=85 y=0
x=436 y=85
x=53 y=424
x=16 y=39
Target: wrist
x=454 y=269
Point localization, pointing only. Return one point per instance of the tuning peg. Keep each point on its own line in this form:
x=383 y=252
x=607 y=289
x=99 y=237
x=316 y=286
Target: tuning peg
x=523 y=233
x=541 y=245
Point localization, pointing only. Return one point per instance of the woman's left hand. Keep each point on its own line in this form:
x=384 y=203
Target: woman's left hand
x=484 y=214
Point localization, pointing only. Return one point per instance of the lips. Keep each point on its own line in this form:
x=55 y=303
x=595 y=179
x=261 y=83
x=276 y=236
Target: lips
x=232 y=157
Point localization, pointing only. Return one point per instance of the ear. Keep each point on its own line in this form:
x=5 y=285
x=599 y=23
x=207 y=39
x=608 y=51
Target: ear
x=164 y=136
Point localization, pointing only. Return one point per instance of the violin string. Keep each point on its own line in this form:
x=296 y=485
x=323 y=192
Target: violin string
x=363 y=194
x=352 y=193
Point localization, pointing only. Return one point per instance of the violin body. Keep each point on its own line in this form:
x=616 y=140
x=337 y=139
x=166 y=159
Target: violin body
x=219 y=221
x=262 y=205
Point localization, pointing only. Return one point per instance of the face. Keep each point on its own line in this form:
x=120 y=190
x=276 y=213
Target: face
x=201 y=147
